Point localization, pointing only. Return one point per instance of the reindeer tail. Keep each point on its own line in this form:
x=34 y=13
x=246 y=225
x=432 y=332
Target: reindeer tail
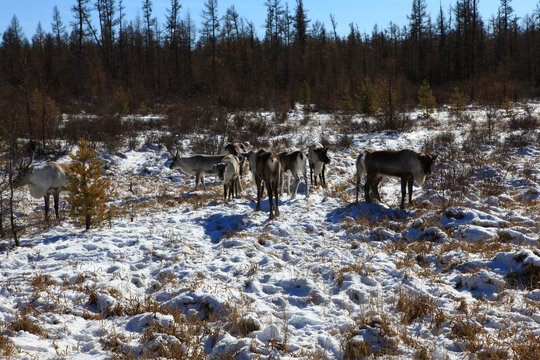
x=361 y=164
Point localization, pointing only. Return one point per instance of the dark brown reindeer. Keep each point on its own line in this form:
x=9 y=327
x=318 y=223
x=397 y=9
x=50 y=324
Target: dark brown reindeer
x=318 y=158
x=44 y=180
x=405 y=164
x=266 y=167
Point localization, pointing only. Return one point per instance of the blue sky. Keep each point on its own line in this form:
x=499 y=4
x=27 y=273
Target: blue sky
x=364 y=13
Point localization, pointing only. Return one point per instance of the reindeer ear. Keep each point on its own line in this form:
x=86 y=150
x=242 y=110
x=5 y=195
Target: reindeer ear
x=433 y=157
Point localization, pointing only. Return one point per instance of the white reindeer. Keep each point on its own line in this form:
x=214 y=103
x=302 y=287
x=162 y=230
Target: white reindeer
x=228 y=171
x=198 y=165
x=44 y=180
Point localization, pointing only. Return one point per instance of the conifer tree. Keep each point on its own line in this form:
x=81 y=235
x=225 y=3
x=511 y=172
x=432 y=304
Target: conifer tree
x=88 y=189
x=366 y=96
x=426 y=99
x=457 y=102
x=305 y=94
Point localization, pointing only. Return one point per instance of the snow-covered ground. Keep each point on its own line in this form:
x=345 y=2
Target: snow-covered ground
x=182 y=272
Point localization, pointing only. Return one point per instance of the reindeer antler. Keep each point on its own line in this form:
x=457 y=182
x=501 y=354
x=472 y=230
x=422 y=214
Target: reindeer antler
x=23 y=163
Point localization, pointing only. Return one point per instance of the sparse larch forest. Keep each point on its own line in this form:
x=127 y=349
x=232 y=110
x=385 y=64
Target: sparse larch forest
x=96 y=58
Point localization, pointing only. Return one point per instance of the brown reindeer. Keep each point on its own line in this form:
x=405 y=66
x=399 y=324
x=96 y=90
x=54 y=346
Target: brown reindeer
x=266 y=167
x=405 y=164
x=44 y=180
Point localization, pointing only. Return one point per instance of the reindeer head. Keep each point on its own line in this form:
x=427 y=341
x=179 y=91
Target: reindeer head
x=175 y=164
x=231 y=149
x=322 y=153
x=220 y=168
x=24 y=172
x=426 y=162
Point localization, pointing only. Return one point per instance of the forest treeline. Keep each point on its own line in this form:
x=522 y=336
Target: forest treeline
x=95 y=57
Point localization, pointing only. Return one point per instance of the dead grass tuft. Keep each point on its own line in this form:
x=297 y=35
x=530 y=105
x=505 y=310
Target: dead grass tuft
x=24 y=323
x=468 y=332
x=41 y=282
x=414 y=306
x=7 y=346
x=526 y=346
x=527 y=278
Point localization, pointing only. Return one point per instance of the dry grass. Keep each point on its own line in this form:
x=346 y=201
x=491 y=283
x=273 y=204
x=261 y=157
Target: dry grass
x=526 y=346
x=528 y=278
x=7 y=346
x=23 y=322
x=414 y=306
x=467 y=332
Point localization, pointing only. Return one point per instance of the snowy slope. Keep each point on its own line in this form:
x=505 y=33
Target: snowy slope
x=327 y=279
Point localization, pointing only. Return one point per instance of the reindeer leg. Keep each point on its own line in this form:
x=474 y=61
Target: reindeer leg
x=47 y=208
x=281 y=181
x=323 y=179
x=56 y=197
x=367 y=187
x=202 y=182
x=311 y=174
x=270 y=190
x=225 y=193
x=403 y=191
x=239 y=184
x=196 y=181
x=288 y=185
x=297 y=178
x=307 y=185
x=259 y=190
x=410 y=185
x=277 y=201
x=357 y=186
x=375 y=188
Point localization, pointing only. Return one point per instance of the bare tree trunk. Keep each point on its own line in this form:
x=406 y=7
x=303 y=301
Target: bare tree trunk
x=12 y=203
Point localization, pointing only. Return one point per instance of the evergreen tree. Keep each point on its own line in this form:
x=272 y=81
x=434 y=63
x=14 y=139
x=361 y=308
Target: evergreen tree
x=366 y=96
x=457 y=102
x=426 y=99
x=305 y=93
x=88 y=189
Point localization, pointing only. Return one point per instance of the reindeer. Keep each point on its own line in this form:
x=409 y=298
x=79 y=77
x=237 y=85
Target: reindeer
x=228 y=172
x=198 y=165
x=405 y=164
x=292 y=164
x=239 y=150
x=266 y=167
x=318 y=158
x=44 y=180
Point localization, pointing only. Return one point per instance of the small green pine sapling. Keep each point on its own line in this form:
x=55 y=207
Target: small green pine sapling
x=426 y=99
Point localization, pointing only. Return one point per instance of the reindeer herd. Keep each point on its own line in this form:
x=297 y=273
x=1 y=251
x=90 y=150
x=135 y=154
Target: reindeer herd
x=268 y=169
x=274 y=171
